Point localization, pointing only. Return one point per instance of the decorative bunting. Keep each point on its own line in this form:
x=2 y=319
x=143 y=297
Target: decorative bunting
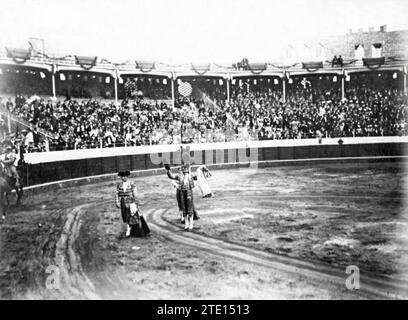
x=201 y=69
x=312 y=66
x=86 y=63
x=257 y=68
x=18 y=55
x=145 y=66
x=373 y=63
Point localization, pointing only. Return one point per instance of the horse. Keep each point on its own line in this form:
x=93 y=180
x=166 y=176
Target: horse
x=7 y=184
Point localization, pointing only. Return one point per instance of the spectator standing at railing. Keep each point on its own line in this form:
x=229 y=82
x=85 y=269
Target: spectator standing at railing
x=36 y=136
x=29 y=139
x=10 y=105
x=340 y=61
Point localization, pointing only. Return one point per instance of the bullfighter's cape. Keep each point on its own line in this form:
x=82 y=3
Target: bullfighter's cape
x=126 y=196
x=202 y=174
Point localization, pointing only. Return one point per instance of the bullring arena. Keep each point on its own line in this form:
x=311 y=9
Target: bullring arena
x=214 y=150
x=285 y=224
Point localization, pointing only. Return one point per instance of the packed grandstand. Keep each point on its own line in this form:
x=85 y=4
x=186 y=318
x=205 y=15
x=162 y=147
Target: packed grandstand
x=83 y=102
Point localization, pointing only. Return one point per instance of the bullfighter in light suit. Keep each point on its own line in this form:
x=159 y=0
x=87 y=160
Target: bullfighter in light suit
x=180 y=203
x=186 y=184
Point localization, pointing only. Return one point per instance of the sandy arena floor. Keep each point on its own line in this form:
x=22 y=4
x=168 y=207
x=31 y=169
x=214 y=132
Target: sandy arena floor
x=271 y=233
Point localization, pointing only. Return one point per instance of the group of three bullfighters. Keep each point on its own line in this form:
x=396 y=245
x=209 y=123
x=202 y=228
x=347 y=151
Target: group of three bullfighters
x=183 y=181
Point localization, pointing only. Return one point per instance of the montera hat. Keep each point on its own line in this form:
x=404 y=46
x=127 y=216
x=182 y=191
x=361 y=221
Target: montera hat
x=124 y=173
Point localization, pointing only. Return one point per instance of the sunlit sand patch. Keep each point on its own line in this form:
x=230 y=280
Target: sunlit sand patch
x=351 y=176
x=331 y=175
x=227 y=215
x=343 y=242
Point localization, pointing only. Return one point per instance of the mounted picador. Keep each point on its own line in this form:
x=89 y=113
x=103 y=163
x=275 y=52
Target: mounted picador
x=9 y=179
x=9 y=159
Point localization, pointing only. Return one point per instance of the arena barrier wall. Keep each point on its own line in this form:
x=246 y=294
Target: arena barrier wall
x=44 y=168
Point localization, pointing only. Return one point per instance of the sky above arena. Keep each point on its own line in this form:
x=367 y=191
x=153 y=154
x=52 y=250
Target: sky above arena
x=182 y=31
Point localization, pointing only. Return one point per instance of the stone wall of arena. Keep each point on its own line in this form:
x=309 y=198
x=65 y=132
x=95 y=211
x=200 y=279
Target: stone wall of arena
x=102 y=164
x=394 y=43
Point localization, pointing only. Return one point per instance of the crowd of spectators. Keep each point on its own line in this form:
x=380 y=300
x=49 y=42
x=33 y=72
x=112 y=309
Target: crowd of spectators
x=309 y=111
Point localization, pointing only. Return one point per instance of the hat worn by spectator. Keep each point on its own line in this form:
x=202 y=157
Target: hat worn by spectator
x=124 y=173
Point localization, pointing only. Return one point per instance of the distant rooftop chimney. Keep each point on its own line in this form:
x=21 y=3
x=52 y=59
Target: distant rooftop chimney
x=371 y=29
x=383 y=28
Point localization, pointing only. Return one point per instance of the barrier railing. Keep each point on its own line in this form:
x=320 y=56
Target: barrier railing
x=65 y=155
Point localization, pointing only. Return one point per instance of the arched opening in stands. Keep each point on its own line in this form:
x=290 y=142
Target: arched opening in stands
x=154 y=87
x=267 y=87
x=207 y=90
x=24 y=80
x=84 y=84
x=383 y=81
x=314 y=87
